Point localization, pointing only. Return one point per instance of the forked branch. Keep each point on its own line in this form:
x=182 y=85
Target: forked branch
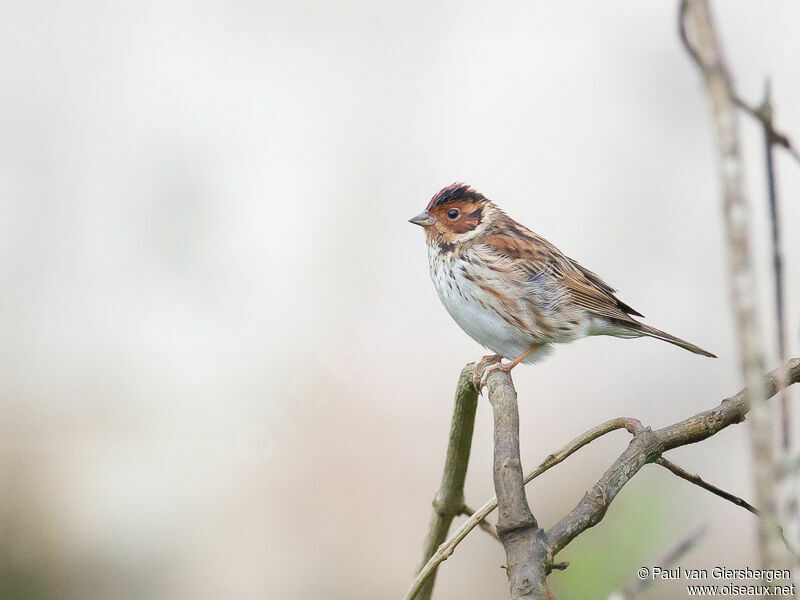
x=647 y=446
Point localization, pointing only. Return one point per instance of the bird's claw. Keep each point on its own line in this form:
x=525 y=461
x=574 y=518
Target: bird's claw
x=491 y=358
x=504 y=367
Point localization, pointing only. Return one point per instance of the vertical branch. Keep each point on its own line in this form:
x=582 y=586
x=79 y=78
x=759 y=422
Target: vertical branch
x=765 y=116
x=787 y=492
x=706 y=51
x=528 y=557
x=449 y=500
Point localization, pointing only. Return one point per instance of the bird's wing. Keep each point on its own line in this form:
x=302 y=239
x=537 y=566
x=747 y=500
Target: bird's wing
x=596 y=295
x=539 y=260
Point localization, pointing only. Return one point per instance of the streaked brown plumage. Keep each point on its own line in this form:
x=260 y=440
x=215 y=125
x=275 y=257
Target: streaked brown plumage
x=513 y=291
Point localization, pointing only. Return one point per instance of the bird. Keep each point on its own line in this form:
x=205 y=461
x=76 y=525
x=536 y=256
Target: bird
x=514 y=292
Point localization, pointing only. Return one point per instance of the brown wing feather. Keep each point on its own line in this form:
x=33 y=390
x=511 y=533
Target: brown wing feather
x=594 y=299
x=536 y=254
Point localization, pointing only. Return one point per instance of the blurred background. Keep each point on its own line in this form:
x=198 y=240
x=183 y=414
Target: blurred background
x=225 y=371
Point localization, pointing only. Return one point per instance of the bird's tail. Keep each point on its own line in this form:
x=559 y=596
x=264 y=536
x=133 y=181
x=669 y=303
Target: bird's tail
x=661 y=335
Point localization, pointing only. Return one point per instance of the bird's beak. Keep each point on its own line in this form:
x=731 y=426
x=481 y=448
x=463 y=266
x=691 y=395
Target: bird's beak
x=423 y=219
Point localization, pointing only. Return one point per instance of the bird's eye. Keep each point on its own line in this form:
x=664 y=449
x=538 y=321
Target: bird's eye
x=453 y=213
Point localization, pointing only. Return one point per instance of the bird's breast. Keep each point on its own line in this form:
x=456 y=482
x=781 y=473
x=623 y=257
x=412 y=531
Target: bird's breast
x=475 y=309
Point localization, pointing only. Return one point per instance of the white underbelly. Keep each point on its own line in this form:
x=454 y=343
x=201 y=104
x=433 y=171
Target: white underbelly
x=482 y=323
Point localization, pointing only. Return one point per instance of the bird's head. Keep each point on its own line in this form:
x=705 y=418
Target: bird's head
x=454 y=215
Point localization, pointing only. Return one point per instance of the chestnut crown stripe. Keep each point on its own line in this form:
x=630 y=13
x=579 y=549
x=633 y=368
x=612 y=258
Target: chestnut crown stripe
x=454 y=193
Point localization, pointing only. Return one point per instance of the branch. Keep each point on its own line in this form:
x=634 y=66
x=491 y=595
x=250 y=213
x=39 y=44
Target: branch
x=446 y=549
x=760 y=114
x=449 y=500
x=742 y=282
x=647 y=446
x=528 y=558
x=518 y=529
x=765 y=110
x=483 y=524
x=700 y=482
x=763 y=115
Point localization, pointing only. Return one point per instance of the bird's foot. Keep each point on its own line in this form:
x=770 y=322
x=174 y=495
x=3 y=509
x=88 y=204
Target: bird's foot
x=498 y=366
x=506 y=367
x=491 y=358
